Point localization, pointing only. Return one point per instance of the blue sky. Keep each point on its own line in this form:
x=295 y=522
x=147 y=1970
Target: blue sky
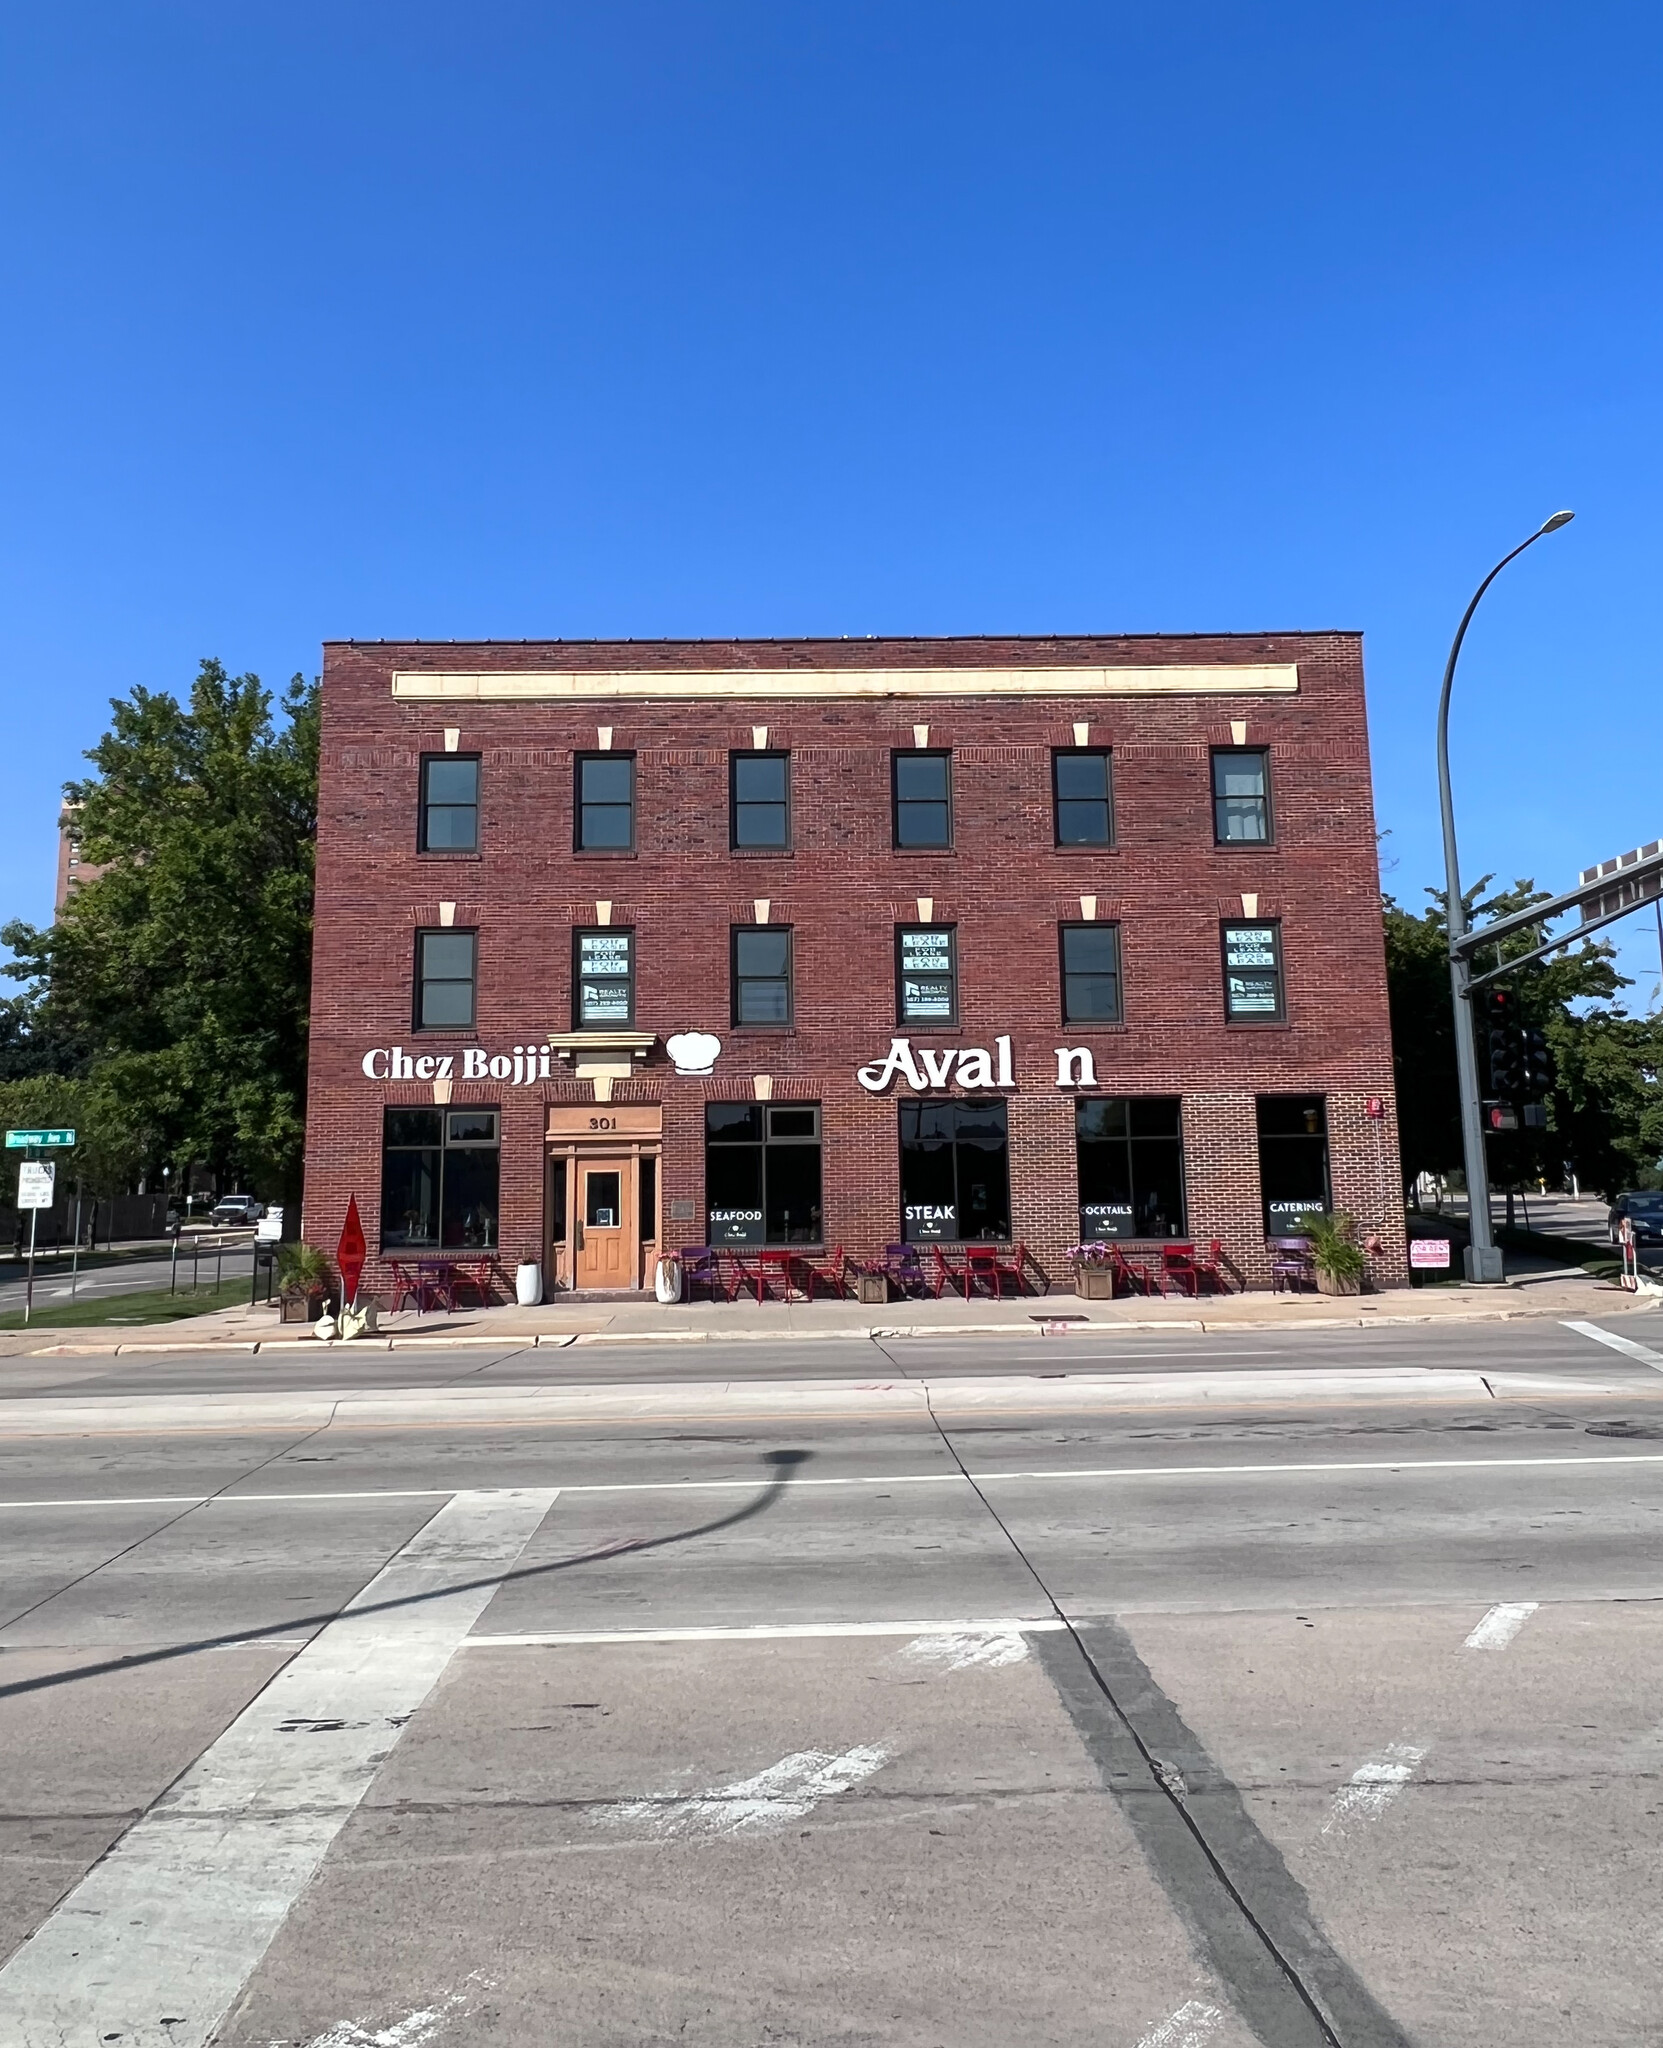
x=706 y=317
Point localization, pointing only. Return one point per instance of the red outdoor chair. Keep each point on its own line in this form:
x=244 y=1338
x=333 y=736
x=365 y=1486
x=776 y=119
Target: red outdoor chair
x=407 y=1286
x=1210 y=1269
x=1012 y=1269
x=833 y=1274
x=1178 y=1266
x=946 y=1273
x=1134 y=1273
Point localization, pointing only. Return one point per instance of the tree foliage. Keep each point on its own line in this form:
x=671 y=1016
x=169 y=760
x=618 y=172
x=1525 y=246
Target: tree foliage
x=179 y=978
x=1605 y=1112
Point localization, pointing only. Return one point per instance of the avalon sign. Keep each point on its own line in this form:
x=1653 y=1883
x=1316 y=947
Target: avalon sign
x=967 y=1066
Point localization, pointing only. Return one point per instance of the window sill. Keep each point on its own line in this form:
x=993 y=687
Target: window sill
x=751 y=1032
x=924 y=852
x=1098 y=1030
x=1253 y=1024
x=1244 y=846
x=761 y=852
x=446 y=853
x=1084 y=852
x=605 y=853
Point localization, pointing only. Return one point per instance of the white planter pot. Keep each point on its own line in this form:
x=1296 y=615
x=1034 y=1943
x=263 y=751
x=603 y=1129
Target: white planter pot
x=667 y=1279
x=528 y=1284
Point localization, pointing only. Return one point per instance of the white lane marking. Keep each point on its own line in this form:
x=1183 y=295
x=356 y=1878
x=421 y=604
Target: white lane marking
x=155 y=1943
x=1193 y=2023
x=1373 y=1786
x=968 y=1649
x=784 y=1792
x=1626 y=1345
x=762 y=1633
x=415 y=2030
x=1501 y=1625
x=949 y=1478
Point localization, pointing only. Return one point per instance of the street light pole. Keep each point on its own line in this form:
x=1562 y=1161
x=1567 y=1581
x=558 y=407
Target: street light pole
x=1483 y=1257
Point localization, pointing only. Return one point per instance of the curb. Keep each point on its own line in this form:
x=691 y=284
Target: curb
x=1035 y=1326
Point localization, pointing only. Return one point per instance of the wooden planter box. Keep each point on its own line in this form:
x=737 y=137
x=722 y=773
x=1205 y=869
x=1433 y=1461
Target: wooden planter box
x=1094 y=1283
x=1327 y=1284
x=872 y=1289
x=299 y=1308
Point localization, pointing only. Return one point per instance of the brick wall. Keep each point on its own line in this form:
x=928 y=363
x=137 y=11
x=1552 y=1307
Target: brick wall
x=843 y=889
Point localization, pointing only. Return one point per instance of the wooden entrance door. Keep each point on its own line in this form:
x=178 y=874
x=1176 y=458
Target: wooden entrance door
x=606 y=1224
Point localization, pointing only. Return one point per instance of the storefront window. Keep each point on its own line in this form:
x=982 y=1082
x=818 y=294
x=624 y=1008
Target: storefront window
x=955 y=1172
x=1130 y=1151
x=439 y=1179
x=762 y=1172
x=1293 y=1159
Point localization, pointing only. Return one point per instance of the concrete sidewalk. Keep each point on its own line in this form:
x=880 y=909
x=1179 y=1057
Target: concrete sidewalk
x=1562 y=1294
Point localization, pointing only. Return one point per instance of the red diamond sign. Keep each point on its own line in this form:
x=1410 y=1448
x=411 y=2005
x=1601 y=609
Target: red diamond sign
x=349 y=1253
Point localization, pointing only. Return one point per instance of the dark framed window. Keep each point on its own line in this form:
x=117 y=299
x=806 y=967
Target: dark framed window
x=1241 y=795
x=604 y=811
x=1129 y=1150
x=450 y=804
x=1293 y=1159
x=1090 y=973
x=1082 y=796
x=446 y=980
x=1253 y=973
x=761 y=974
x=955 y=1172
x=926 y=974
x=440 y=1172
x=762 y=1172
x=603 y=978
x=759 y=801
x=922 y=784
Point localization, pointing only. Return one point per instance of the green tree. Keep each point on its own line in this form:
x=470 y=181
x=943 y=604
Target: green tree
x=183 y=971
x=1605 y=1111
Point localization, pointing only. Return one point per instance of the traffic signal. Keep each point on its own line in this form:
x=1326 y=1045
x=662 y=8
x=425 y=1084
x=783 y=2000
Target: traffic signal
x=1505 y=1048
x=1537 y=1062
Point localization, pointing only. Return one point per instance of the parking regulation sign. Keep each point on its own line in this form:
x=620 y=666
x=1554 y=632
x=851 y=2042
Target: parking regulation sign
x=34 y=1184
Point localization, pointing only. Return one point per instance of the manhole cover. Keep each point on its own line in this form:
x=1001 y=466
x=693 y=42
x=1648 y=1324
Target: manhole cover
x=1621 y=1429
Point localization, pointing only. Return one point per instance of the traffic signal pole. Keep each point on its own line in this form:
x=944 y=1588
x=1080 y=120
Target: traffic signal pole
x=1483 y=1255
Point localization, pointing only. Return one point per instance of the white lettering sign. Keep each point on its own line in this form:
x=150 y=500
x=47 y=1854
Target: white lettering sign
x=519 y=1068
x=34 y=1184
x=971 y=1066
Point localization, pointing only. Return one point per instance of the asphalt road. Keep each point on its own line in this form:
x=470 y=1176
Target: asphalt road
x=1143 y=1716
x=53 y=1283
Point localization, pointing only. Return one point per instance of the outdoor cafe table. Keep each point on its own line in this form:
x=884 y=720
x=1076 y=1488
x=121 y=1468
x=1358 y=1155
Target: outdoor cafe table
x=1146 y=1257
x=764 y=1260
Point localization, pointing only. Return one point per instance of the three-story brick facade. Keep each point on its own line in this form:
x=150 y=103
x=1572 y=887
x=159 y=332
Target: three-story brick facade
x=627 y=946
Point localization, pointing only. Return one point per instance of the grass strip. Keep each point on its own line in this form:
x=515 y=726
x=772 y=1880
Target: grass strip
x=136 y=1310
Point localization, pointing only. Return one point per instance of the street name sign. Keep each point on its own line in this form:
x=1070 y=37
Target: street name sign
x=34 y=1184
x=21 y=1141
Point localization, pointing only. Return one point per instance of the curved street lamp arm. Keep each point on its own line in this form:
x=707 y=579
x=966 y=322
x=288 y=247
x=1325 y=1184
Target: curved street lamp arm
x=1456 y=910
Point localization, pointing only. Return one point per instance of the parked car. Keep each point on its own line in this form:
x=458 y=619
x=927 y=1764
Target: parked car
x=1644 y=1209
x=237 y=1209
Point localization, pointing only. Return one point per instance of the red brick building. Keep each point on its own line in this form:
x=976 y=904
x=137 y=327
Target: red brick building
x=628 y=946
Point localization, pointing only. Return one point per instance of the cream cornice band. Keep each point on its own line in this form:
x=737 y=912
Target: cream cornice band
x=684 y=685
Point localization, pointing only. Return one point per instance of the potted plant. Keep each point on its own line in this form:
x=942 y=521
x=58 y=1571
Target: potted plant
x=1340 y=1262
x=303 y=1282
x=1093 y=1271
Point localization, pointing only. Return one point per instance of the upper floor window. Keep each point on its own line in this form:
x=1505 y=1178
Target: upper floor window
x=1091 y=973
x=927 y=977
x=1081 y=797
x=761 y=974
x=923 y=793
x=446 y=976
x=760 y=800
x=1253 y=973
x=605 y=808
x=603 y=985
x=450 y=803
x=1241 y=795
